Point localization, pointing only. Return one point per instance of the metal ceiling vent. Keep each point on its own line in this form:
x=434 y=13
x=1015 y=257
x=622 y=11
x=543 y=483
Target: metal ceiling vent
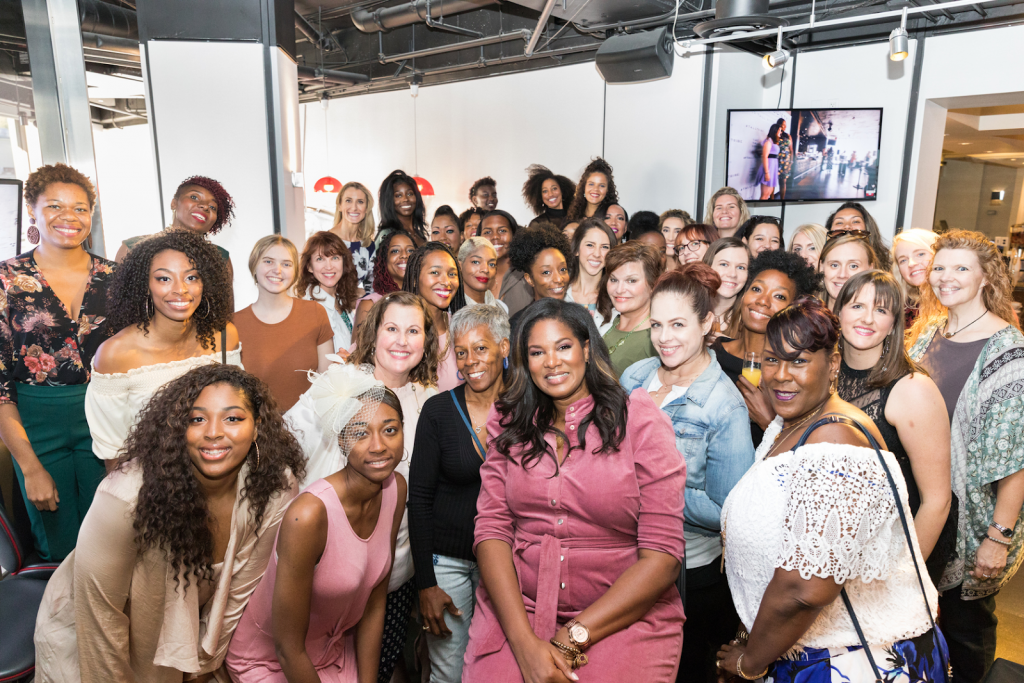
x=738 y=16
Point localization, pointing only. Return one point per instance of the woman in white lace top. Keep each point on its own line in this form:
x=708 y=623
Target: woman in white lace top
x=803 y=525
x=169 y=304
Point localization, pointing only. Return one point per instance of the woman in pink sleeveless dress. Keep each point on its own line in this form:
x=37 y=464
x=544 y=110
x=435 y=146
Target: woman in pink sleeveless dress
x=318 y=614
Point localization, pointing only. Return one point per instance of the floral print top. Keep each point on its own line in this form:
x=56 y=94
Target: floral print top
x=987 y=444
x=39 y=342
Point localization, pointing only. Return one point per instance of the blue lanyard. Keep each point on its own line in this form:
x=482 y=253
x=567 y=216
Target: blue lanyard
x=469 y=426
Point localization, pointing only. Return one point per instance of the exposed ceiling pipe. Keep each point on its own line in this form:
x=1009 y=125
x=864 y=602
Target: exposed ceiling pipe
x=125 y=112
x=107 y=19
x=384 y=18
x=308 y=73
x=451 y=28
x=522 y=34
x=545 y=13
x=110 y=43
x=324 y=41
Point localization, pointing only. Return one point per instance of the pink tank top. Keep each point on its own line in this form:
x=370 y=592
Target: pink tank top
x=342 y=582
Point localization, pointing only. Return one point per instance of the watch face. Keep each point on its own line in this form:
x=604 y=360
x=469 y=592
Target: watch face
x=579 y=633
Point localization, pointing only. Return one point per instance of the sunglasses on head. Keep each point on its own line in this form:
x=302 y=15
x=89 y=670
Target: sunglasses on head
x=839 y=232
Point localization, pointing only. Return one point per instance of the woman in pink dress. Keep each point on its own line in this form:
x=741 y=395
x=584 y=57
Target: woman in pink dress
x=318 y=614
x=579 y=528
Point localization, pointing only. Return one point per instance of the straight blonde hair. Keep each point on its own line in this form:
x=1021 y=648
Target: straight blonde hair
x=368 y=227
x=261 y=247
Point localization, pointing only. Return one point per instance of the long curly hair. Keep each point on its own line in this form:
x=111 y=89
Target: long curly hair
x=578 y=207
x=425 y=372
x=172 y=512
x=997 y=295
x=44 y=176
x=415 y=265
x=524 y=247
x=528 y=414
x=328 y=244
x=225 y=204
x=129 y=301
x=537 y=176
x=386 y=202
x=383 y=283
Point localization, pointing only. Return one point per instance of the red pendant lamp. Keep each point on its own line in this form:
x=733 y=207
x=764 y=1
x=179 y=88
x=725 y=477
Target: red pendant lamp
x=327 y=184
x=424 y=186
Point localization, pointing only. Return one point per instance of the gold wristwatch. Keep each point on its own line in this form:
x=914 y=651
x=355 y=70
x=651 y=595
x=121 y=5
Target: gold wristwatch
x=579 y=635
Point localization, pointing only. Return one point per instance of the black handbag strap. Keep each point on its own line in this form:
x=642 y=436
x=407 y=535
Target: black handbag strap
x=842 y=419
x=469 y=426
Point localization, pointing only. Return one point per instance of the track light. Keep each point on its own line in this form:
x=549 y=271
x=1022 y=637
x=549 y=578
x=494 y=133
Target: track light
x=899 y=41
x=778 y=57
x=774 y=59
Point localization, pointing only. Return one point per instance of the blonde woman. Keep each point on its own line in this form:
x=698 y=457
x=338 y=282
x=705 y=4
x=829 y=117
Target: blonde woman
x=974 y=351
x=727 y=212
x=282 y=336
x=353 y=223
x=911 y=260
x=808 y=241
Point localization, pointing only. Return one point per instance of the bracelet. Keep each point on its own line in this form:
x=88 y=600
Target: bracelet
x=572 y=655
x=1008 y=533
x=739 y=671
x=996 y=540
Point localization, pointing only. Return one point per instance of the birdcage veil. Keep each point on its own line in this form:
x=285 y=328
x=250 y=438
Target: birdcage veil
x=343 y=397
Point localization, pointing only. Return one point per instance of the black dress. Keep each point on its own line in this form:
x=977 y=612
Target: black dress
x=853 y=388
x=733 y=368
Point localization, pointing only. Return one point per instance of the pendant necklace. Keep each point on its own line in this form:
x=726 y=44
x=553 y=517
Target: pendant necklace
x=950 y=335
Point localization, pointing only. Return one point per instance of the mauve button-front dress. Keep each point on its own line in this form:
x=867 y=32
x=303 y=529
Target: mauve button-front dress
x=574 y=530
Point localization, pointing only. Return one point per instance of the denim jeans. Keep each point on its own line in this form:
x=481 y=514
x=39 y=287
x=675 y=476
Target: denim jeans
x=459 y=579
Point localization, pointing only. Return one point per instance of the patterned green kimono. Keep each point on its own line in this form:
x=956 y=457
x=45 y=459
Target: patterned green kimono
x=987 y=445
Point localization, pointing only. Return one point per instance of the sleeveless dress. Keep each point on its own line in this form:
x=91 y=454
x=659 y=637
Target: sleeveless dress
x=342 y=582
x=853 y=388
x=772 y=179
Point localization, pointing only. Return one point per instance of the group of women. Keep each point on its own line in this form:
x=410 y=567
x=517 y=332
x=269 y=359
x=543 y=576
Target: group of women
x=598 y=447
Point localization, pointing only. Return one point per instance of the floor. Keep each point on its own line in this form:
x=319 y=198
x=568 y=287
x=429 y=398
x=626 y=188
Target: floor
x=1010 y=610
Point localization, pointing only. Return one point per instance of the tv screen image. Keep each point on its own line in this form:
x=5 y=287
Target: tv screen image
x=799 y=155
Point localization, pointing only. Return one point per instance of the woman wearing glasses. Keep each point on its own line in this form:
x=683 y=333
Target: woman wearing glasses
x=853 y=219
x=693 y=242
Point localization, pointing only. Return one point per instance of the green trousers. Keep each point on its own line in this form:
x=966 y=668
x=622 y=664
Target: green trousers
x=54 y=418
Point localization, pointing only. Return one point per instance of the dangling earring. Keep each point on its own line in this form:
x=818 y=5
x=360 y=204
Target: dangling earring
x=33 y=232
x=206 y=315
x=505 y=362
x=833 y=385
x=885 y=349
x=150 y=309
x=254 y=443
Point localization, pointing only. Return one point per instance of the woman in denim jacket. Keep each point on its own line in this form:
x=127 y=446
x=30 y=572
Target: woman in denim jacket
x=710 y=420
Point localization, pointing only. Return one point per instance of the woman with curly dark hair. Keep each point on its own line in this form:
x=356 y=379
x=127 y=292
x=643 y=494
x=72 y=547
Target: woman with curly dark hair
x=401 y=204
x=327 y=275
x=775 y=279
x=548 y=195
x=53 y=316
x=176 y=539
x=170 y=307
x=594 y=193
x=484 y=193
x=469 y=221
x=567 y=577
x=200 y=204
x=434 y=274
x=394 y=248
x=542 y=254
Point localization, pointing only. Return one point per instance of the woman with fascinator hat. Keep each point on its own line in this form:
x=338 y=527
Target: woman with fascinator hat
x=319 y=612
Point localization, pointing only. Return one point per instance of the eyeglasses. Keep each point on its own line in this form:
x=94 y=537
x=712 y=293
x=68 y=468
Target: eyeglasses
x=694 y=245
x=839 y=232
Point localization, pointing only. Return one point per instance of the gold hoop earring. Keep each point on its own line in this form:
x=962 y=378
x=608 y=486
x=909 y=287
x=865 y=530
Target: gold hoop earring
x=254 y=443
x=206 y=315
x=150 y=309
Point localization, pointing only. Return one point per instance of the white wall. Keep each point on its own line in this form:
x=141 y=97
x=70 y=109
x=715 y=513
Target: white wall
x=128 y=189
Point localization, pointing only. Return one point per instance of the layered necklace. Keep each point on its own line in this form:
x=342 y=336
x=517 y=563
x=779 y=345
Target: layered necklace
x=629 y=334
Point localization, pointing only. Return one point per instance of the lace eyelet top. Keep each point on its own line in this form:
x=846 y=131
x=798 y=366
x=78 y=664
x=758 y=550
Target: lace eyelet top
x=826 y=511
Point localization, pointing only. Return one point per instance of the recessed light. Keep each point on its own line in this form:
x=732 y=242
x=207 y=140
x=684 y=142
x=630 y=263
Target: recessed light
x=988 y=151
x=965 y=143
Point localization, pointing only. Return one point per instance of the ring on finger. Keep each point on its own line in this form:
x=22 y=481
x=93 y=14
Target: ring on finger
x=426 y=627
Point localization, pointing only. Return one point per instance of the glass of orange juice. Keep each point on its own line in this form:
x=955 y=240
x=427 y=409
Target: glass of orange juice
x=752 y=368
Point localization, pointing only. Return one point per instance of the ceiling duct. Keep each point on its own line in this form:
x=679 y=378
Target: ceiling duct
x=384 y=18
x=738 y=16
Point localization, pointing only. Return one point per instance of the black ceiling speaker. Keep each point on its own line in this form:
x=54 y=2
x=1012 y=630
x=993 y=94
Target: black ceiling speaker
x=636 y=57
x=733 y=16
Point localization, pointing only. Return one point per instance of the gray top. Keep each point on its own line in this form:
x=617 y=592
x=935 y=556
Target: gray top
x=950 y=364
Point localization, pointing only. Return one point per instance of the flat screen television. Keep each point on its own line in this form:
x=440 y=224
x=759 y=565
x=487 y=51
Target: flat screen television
x=821 y=154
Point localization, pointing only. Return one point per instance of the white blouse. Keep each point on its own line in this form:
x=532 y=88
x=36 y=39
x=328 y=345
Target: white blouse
x=827 y=511
x=113 y=401
x=342 y=330
x=324 y=457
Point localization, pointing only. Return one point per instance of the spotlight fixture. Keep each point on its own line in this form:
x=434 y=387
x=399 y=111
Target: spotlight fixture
x=899 y=41
x=778 y=57
x=414 y=85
